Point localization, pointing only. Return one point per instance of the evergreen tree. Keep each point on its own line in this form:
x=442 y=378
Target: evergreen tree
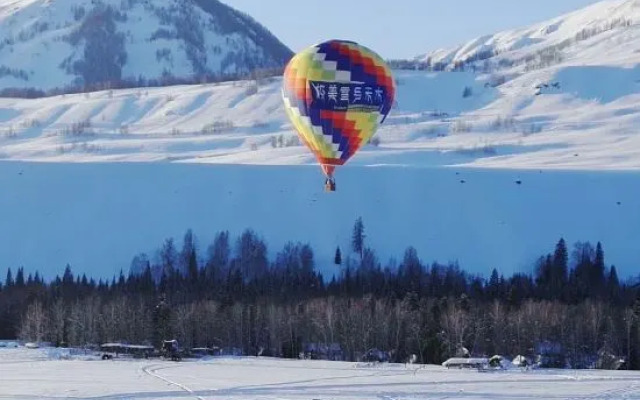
x=412 y=271
x=357 y=238
x=337 y=260
x=8 y=282
x=598 y=276
x=544 y=271
x=193 y=268
x=67 y=277
x=188 y=250
x=613 y=285
x=559 y=275
x=20 y=277
x=494 y=285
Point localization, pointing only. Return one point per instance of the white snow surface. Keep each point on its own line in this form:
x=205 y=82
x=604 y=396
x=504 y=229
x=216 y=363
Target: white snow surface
x=93 y=179
x=31 y=374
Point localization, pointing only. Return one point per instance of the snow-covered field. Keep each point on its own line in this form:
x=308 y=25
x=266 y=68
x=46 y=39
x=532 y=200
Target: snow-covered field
x=37 y=374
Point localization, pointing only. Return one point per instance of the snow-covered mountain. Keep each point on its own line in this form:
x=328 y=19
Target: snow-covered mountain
x=48 y=44
x=446 y=172
x=603 y=33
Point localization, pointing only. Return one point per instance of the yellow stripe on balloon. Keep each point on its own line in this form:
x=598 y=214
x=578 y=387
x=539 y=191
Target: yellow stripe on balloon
x=366 y=123
x=303 y=126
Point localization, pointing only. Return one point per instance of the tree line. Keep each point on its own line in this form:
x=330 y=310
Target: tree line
x=573 y=310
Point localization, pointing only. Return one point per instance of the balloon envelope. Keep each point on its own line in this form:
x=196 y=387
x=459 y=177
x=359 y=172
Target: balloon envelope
x=336 y=94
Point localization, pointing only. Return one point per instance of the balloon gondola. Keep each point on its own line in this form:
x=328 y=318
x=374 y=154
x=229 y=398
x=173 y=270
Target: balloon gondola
x=336 y=94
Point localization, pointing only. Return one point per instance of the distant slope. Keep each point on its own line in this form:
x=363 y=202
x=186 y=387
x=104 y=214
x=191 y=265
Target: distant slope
x=83 y=43
x=601 y=28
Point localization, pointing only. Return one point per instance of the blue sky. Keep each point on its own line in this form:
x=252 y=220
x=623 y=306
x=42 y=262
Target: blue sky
x=397 y=28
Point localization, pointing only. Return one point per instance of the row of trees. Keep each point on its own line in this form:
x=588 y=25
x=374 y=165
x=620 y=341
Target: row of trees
x=167 y=79
x=233 y=295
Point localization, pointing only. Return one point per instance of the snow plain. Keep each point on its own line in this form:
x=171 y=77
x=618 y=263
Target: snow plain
x=37 y=374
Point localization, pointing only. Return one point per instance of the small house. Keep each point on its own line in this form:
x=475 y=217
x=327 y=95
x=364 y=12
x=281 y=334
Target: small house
x=466 y=363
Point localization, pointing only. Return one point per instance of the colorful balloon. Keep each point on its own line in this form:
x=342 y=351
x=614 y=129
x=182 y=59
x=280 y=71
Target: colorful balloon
x=336 y=94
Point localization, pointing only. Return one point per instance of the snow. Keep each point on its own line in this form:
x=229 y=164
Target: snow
x=93 y=179
x=597 y=122
x=31 y=374
x=517 y=43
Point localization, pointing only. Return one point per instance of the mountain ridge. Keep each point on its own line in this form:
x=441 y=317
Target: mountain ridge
x=60 y=47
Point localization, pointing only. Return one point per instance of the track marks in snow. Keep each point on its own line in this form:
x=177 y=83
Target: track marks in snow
x=152 y=370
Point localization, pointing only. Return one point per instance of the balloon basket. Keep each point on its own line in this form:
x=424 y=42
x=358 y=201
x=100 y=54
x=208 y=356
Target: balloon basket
x=330 y=186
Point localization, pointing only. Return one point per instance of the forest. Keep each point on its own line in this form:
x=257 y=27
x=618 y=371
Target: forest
x=571 y=311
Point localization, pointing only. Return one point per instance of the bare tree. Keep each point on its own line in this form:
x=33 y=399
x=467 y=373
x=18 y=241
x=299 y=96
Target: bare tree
x=34 y=323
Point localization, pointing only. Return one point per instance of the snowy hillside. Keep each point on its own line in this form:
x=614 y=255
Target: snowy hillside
x=604 y=33
x=440 y=174
x=56 y=44
x=575 y=126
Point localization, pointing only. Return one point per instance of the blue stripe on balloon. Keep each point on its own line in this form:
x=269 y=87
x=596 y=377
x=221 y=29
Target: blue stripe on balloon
x=345 y=63
x=337 y=136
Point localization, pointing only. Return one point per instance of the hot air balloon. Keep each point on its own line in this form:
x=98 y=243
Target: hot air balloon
x=336 y=94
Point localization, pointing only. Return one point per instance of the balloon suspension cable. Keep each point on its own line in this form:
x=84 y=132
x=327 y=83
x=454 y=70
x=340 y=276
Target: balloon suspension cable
x=328 y=170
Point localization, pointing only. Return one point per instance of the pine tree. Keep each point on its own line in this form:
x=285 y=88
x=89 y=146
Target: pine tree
x=193 y=268
x=598 y=278
x=494 y=285
x=358 y=236
x=613 y=285
x=559 y=274
x=8 y=282
x=20 y=277
x=67 y=277
x=188 y=250
x=337 y=260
